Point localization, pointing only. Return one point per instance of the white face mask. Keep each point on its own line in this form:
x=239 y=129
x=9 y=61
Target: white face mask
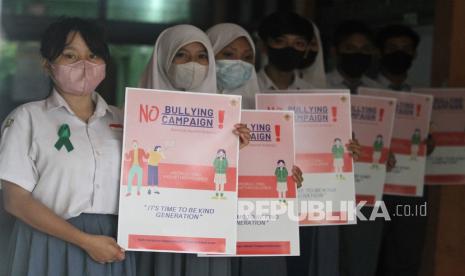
x=187 y=76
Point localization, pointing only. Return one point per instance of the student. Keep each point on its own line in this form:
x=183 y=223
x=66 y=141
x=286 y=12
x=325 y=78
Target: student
x=229 y=45
x=403 y=237
x=155 y=156
x=183 y=60
x=353 y=50
x=235 y=59
x=398 y=47
x=60 y=162
x=287 y=42
x=136 y=158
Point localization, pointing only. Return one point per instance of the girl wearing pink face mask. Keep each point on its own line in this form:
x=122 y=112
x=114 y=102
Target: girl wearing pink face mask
x=59 y=164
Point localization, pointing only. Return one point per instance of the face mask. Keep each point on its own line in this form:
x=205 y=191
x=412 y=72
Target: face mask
x=397 y=62
x=187 y=76
x=79 y=78
x=307 y=60
x=354 y=65
x=285 y=59
x=232 y=74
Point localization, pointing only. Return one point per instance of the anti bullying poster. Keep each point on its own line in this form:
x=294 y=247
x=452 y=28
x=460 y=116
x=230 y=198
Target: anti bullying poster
x=323 y=129
x=446 y=165
x=372 y=123
x=265 y=176
x=411 y=127
x=178 y=189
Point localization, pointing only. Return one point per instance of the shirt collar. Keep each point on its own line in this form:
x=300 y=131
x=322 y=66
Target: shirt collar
x=55 y=101
x=387 y=83
x=268 y=83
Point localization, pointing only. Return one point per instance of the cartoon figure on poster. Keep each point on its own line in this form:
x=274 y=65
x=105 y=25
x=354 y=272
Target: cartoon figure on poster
x=220 y=165
x=338 y=158
x=281 y=174
x=155 y=156
x=416 y=140
x=136 y=158
x=377 y=151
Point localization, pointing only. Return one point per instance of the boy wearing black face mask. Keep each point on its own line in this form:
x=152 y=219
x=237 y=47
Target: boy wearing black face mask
x=353 y=50
x=403 y=237
x=286 y=38
x=398 y=45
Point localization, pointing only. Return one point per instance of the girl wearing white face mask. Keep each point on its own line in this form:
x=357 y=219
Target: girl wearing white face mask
x=183 y=60
x=235 y=58
x=59 y=163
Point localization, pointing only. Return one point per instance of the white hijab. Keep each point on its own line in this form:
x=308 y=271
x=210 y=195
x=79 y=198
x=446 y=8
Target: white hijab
x=315 y=74
x=168 y=43
x=221 y=35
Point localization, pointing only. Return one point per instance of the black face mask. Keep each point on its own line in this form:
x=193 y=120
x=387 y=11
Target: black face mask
x=285 y=59
x=307 y=60
x=354 y=65
x=397 y=62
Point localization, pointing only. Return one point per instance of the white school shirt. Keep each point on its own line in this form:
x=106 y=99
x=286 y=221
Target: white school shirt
x=385 y=83
x=335 y=80
x=84 y=180
x=266 y=84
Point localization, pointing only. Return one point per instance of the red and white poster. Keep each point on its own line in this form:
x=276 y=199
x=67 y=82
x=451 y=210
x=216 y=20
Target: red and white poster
x=372 y=124
x=411 y=127
x=267 y=222
x=323 y=130
x=446 y=165
x=178 y=188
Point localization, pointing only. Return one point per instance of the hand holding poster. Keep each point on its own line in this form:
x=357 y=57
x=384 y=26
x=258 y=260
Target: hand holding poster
x=411 y=126
x=372 y=123
x=178 y=188
x=265 y=176
x=446 y=165
x=323 y=130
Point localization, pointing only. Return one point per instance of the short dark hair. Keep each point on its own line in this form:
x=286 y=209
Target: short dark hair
x=349 y=27
x=53 y=40
x=391 y=31
x=281 y=161
x=280 y=23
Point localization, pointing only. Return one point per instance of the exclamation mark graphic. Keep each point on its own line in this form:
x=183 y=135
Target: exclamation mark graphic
x=277 y=129
x=381 y=114
x=418 y=110
x=221 y=118
x=334 y=111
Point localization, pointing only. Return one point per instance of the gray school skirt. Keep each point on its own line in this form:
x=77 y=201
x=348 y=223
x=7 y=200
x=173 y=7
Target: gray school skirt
x=32 y=252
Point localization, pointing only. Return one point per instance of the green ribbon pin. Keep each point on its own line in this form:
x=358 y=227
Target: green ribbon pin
x=63 y=138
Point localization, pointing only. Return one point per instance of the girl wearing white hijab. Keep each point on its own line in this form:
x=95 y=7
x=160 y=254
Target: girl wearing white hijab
x=314 y=73
x=235 y=58
x=183 y=60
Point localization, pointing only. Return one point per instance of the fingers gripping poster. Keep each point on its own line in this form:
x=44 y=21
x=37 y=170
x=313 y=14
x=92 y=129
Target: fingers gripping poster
x=178 y=189
x=372 y=123
x=411 y=127
x=323 y=130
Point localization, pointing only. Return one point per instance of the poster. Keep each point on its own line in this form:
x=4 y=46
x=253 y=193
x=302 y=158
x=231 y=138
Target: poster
x=323 y=129
x=372 y=123
x=411 y=127
x=446 y=165
x=265 y=179
x=178 y=189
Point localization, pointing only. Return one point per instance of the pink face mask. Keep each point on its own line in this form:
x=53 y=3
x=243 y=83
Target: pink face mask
x=79 y=78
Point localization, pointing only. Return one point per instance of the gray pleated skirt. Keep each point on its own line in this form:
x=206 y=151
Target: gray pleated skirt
x=32 y=252
x=175 y=264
